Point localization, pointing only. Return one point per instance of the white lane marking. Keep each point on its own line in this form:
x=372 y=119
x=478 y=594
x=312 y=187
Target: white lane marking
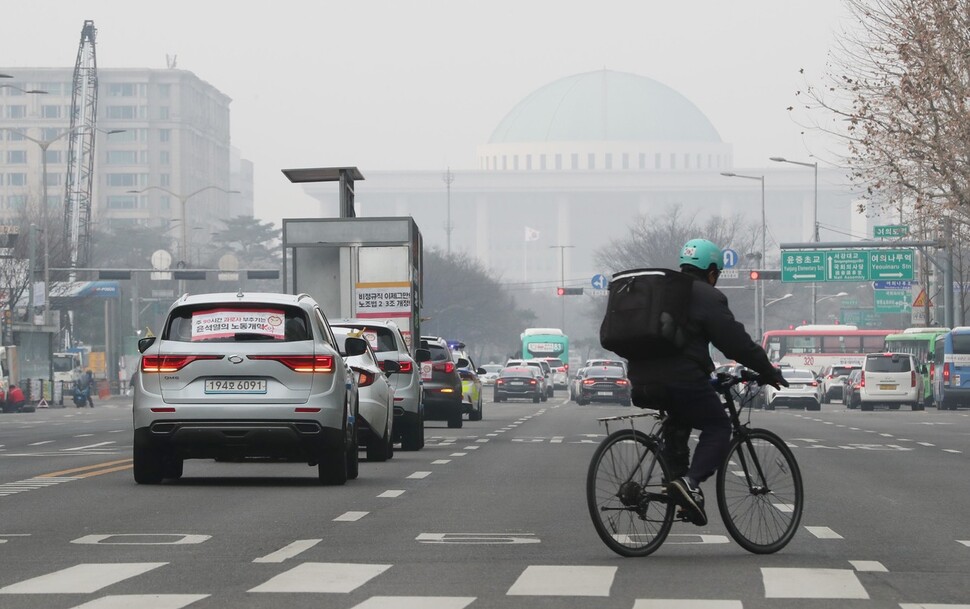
x=40 y=443
x=440 y=461
x=966 y=543
x=482 y=440
x=350 y=516
x=471 y=448
x=491 y=435
x=823 y=533
x=391 y=494
x=886 y=435
x=322 y=577
x=931 y=606
x=564 y=581
x=289 y=551
x=787 y=508
x=139 y=539
x=812 y=583
x=81 y=579
x=670 y=603
x=457 y=454
x=84 y=435
x=117 y=430
x=925 y=444
x=556 y=440
x=950 y=450
x=89 y=446
x=416 y=602
x=872 y=566
x=143 y=601
x=419 y=475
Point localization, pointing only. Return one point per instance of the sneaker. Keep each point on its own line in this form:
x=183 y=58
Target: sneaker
x=690 y=498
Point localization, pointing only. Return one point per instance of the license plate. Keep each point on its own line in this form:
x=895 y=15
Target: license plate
x=956 y=380
x=235 y=386
x=605 y=393
x=888 y=387
x=517 y=383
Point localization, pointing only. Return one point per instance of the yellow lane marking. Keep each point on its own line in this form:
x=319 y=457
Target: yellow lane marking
x=83 y=469
x=105 y=471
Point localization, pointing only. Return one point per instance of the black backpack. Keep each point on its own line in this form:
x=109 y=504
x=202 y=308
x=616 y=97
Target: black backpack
x=647 y=313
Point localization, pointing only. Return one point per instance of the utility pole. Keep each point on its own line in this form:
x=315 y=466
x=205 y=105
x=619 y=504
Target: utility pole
x=448 y=178
x=562 y=282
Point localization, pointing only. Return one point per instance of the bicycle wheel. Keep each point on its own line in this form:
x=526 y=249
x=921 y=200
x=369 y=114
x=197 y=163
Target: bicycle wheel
x=759 y=492
x=626 y=495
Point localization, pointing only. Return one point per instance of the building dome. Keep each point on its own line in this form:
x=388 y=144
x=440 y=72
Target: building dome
x=605 y=120
x=605 y=106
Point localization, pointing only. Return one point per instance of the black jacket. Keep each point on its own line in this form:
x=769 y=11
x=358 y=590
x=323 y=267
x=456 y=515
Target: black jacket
x=710 y=322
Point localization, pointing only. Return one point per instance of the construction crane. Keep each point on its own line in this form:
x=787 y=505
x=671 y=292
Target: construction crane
x=80 y=155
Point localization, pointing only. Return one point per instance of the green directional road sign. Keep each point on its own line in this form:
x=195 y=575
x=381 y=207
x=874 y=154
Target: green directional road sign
x=890 y=231
x=802 y=266
x=846 y=265
x=892 y=301
x=891 y=264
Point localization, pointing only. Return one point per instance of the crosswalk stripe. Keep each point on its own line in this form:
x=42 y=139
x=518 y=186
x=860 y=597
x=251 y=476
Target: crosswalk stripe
x=83 y=578
x=823 y=533
x=812 y=583
x=289 y=551
x=685 y=603
x=322 y=577
x=143 y=601
x=539 y=580
x=416 y=602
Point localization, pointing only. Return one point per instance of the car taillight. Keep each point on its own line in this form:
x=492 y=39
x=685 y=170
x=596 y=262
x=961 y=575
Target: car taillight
x=499 y=381
x=171 y=363
x=932 y=371
x=588 y=381
x=561 y=369
x=946 y=373
x=814 y=383
x=447 y=367
x=862 y=379
x=912 y=378
x=622 y=382
x=365 y=378
x=301 y=363
x=533 y=382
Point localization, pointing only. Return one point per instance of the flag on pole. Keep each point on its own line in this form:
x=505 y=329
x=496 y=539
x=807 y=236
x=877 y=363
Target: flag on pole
x=531 y=234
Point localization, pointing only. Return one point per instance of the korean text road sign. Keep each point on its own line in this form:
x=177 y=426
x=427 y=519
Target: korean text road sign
x=847 y=265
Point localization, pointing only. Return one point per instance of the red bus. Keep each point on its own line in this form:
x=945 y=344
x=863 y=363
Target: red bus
x=818 y=346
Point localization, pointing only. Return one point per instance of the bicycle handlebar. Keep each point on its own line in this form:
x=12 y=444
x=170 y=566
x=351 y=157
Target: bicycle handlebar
x=724 y=381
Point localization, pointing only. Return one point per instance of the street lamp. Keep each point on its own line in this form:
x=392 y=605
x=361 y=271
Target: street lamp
x=31 y=91
x=815 y=239
x=759 y=292
x=562 y=281
x=183 y=199
x=773 y=301
x=839 y=295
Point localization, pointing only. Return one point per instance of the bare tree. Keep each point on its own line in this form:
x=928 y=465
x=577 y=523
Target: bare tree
x=655 y=240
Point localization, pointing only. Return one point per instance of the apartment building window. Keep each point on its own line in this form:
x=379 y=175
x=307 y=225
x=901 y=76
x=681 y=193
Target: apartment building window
x=16 y=157
x=165 y=202
x=626 y=161
x=164 y=158
x=528 y=162
x=122 y=202
x=15 y=112
x=574 y=160
x=54 y=157
x=542 y=162
x=54 y=179
x=657 y=161
x=13 y=136
x=686 y=161
x=673 y=161
x=122 y=89
x=590 y=161
x=164 y=90
x=51 y=133
x=50 y=111
x=164 y=135
x=165 y=179
x=505 y=162
x=54 y=201
x=122 y=179
x=52 y=88
x=643 y=160
x=16 y=179
x=558 y=162
x=163 y=113
x=608 y=161
x=124 y=112
x=121 y=157
x=515 y=162
x=16 y=201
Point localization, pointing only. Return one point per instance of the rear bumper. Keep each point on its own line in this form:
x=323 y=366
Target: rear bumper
x=438 y=408
x=615 y=396
x=525 y=393
x=290 y=440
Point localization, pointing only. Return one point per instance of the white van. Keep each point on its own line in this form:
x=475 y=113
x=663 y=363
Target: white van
x=891 y=379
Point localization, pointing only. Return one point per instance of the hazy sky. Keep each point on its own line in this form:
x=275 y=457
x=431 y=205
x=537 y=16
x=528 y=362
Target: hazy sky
x=397 y=84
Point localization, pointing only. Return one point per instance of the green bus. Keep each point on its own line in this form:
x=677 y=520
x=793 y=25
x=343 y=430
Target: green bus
x=921 y=343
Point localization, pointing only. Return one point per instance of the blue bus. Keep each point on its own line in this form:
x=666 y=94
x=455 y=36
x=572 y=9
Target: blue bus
x=951 y=369
x=545 y=342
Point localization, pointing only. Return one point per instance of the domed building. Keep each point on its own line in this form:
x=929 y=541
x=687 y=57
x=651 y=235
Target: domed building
x=574 y=164
x=605 y=120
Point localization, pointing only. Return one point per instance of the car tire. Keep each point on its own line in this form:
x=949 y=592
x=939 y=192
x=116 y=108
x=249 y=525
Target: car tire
x=413 y=436
x=455 y=421
x=378 y=449
x=894 y=407
x=866 y=407
x=476 y=413
x=172 y=467
x=147 y=465
x=918 y=407
x=536 y=399
x=334 y=465
x=544 y=398
x=353 y=456
x=815 y=407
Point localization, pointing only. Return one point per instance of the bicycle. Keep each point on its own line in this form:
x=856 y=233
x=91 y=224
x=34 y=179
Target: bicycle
x=759 y=486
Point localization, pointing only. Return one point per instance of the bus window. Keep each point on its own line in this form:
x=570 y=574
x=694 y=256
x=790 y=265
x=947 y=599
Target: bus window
x=961 y=343
x=872 y=344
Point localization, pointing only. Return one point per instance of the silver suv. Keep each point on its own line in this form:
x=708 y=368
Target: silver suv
x=245 y=375
x=388 y=343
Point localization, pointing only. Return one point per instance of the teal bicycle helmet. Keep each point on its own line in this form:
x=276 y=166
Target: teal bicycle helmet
x=701 y=253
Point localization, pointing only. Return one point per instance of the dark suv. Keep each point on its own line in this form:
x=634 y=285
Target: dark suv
x=442 y=383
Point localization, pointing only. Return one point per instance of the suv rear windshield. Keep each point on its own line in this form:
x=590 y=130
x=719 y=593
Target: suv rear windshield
x=793 y=374
x=438 y=353
x=380 y=338
x=517 y=371
x=842 y=370
x=887 y=363
x=237 y=323
x=555 y=363
x=607 y=371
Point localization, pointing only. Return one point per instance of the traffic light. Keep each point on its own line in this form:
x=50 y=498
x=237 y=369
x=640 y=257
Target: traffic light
x=569 y=291
x=763 y=275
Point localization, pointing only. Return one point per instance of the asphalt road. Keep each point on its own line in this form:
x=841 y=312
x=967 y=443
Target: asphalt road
x=490 y=515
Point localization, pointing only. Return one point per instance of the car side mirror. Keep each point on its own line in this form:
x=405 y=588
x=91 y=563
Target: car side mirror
x=422 y=355
x=145 y=343
x=391 y=366
x=481 y=371
x=462 y=363
x=355 y=346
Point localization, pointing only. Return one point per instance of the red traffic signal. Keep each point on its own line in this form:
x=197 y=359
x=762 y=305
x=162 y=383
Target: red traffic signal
x=569 y=291
x=763 y=275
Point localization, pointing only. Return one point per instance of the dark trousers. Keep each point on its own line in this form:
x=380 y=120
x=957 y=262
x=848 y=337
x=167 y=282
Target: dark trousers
x=689 y=406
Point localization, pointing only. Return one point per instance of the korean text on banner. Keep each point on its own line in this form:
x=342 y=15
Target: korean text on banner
x=223 y=323
x=383 y=300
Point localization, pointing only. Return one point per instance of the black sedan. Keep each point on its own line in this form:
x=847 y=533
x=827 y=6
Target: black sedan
x=519 y=382
x=604 y=384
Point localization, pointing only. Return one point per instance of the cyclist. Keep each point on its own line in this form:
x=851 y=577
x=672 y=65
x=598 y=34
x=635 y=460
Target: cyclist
x=680 y=385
